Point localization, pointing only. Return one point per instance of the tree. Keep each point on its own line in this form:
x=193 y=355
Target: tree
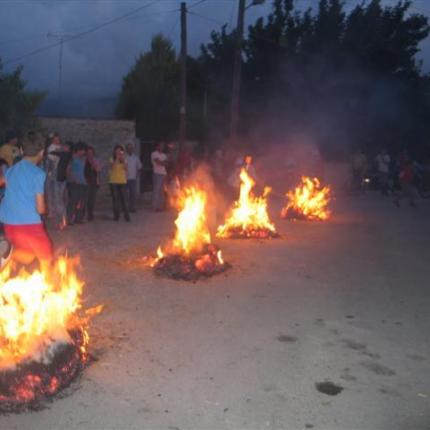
x=216 y=61
x=18 y=105
x=347 y=78
x=150 y=92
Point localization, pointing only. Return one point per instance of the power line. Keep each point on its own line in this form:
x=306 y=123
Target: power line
x=84 y=33
x=207 y=18
x=196 y=4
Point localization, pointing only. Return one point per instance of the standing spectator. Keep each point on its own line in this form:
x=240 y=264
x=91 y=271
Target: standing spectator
x=10 y=150
x=56 y=182
x=77 y=185
x=134 y=166
x=23 y=205
x=406 y=179
x=383 y=161
x=159 y=162
x=118 y=183
x=92 y=170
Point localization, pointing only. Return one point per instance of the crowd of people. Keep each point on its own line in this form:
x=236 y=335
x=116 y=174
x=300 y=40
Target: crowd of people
x=394 y=175
x=60 y=181
x=73 y=177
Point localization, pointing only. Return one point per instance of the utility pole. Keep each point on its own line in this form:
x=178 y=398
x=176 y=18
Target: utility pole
x=60 y=68
x=237 y=71
x=183 y=108
x=61 y=39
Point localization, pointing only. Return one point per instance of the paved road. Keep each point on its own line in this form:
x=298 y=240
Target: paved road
x=345 y=301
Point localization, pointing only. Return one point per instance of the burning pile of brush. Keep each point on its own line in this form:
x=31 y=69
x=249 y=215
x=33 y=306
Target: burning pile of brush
x=190 y=255
x=43 y=339
x=309 y=201
x=249 y=217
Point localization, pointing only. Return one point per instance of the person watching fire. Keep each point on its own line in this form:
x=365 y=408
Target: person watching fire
x=159 y=162
x=23 y=205
x=10 y=150
x=118 y=182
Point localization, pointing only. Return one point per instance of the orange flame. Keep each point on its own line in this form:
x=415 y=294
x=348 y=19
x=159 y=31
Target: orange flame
x=309 y=200
x=249 y=212
x=36 y=311
x=192 y=233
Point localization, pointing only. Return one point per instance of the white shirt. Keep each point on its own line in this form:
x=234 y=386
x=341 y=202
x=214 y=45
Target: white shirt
x=383 y=162
x=159 y=156
x=133 y=166
x=53 y=159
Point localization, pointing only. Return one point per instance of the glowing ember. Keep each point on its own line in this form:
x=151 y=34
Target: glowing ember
x=191 y=254
x=249 y=217
x=308 y=201
x=43 y=341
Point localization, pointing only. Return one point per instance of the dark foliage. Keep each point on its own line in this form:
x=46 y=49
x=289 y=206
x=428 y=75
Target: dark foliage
x=348 y=78
x=18 y=105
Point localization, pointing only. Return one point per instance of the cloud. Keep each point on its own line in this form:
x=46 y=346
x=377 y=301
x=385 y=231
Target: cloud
x=93 y=65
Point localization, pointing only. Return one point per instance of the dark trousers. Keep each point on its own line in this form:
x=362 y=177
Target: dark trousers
x=77 y=202
x=118 y=200
x=158 y=198
x=131 y=188
x=91 y=200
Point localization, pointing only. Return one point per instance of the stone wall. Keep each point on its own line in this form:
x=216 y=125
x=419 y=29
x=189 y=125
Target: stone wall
x=102 y=134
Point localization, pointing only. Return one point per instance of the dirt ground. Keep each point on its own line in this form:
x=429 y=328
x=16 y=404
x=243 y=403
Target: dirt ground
x=345 y=301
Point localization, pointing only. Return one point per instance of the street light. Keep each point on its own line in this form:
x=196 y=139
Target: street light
x=235 y=98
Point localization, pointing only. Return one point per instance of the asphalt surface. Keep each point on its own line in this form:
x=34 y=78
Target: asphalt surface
x=345 y=302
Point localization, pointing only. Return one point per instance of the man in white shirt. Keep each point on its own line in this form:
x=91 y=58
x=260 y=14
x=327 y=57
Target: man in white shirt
x=159 y=162
x=134 y=166
x=383 y=161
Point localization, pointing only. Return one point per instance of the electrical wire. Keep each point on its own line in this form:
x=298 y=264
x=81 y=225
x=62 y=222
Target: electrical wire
x=84 y=33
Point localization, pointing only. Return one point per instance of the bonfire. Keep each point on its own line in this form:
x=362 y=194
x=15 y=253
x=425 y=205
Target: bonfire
x=191 y=254
x=43 y=334
x=249 y=217
x=309 y=201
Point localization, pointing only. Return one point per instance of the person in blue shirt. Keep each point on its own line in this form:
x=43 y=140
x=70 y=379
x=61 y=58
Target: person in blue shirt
x=23 y=204
x=77 y=185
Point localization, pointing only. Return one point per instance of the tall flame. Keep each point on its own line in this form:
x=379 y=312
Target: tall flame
x=249 y=213
x=36 y=311
x=309 y=200
x=192 y=232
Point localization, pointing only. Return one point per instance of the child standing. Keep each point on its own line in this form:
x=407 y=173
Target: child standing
x=23 y=205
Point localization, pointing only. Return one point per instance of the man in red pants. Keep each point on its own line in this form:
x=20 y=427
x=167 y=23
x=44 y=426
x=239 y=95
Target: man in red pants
x=23 y=204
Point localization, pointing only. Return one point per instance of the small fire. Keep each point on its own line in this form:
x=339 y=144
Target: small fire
x=43 y=341
x=191 y=252
x=249 y=216
x=308 y=201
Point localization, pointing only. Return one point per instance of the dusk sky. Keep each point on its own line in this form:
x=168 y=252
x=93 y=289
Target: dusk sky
x=94 y=64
